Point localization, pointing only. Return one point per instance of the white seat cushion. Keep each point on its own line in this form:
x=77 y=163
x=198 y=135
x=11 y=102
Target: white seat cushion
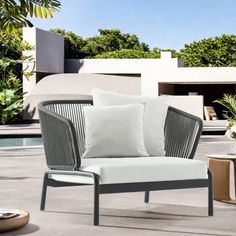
x=140 y=169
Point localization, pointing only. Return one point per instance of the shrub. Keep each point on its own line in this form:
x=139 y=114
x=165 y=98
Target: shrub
x=11 y=97
x=129 y=53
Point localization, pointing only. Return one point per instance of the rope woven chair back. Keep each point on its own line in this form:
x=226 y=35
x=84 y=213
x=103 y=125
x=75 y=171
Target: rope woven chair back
x=62 y=125
x=182 y=133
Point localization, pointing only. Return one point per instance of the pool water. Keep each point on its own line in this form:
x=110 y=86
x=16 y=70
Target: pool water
x=20 y=142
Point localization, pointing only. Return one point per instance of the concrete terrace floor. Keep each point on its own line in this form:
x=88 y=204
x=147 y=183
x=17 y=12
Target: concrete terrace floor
x=69 y=210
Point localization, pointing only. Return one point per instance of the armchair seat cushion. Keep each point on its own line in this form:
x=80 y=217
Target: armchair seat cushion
x=140 y=169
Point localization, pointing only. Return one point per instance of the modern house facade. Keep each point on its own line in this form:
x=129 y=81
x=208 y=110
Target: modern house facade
x=154 y=77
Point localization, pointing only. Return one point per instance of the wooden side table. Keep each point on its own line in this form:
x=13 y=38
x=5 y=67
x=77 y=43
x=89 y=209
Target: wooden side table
x=220 y=167
x=16 y=222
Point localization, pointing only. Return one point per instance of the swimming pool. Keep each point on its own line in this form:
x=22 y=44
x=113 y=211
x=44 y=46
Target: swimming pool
x=21 y=142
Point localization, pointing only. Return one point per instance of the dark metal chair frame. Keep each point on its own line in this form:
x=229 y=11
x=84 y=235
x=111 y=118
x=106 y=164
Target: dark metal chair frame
x=62 y=126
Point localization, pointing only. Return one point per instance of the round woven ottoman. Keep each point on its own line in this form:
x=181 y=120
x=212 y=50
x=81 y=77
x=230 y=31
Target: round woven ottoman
x=16 y=222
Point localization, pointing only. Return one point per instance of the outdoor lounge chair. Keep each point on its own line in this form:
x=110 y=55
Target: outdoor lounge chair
x=64 y=120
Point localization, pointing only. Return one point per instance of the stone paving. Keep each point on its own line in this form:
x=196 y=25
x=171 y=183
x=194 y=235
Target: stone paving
x=69 y=210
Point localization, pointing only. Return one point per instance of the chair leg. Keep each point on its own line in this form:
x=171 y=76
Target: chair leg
x=96 y=201
x=210 y=194
x=146 y=196
x=44 y=192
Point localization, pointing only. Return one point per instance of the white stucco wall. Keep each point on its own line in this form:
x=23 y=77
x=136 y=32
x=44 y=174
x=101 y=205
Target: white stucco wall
x=48 y=54
x=48 y=51
x=73 y=86
x=118 y=66
x=186 y=75
x=154 y=71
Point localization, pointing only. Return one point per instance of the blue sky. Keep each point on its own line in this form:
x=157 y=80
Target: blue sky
x=159 y=23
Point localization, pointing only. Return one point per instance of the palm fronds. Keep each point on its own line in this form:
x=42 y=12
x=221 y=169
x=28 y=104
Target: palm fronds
x=229 y=102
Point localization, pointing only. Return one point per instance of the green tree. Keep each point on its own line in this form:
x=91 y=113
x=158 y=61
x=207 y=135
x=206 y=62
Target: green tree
x=216 y=51
x=14 y=13
x=110 y=40
x=74 y=44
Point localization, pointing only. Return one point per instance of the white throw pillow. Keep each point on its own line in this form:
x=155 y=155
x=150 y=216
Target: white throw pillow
x=114 y=131
x=154 y=116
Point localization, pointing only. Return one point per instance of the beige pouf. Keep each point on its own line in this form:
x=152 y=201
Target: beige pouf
x=16 y=222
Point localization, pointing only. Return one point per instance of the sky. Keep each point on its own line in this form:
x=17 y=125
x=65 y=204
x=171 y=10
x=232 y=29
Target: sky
x=159 y=23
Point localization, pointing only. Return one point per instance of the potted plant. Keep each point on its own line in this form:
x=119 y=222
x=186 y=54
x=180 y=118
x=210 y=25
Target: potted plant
x=229 y=102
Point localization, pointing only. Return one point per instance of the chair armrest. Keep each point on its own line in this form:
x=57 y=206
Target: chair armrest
x=59 y=138
x=182 y=133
